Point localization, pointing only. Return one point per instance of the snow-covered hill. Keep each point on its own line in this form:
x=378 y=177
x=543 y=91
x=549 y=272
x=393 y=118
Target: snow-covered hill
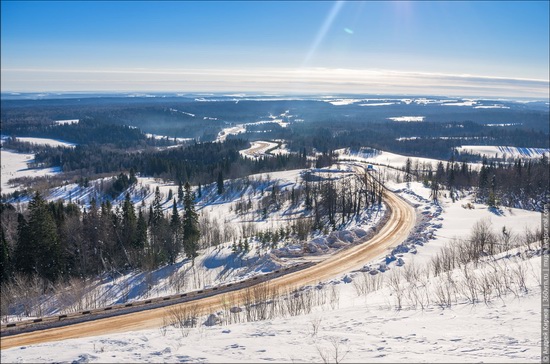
x=358 y=317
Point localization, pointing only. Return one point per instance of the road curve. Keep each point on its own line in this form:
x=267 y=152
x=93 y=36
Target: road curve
x=398 y=226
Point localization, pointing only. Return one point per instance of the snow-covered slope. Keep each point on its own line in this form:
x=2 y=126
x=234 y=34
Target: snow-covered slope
x=360 y=330
x=355 y=317
x=492 y=151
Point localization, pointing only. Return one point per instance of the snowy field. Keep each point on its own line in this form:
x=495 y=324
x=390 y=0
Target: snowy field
x=475 y=104
x=234 y=130
x=358 y=331
x=161 y=137
x=387 y=159
x=408 y=119
x=15 y=165
x=67 y=122
x=342 y=102
x=46 y=141
x=492 y=151
x=461 y=103
x=354 y=323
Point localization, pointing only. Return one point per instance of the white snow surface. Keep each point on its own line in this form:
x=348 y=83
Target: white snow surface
x=15 y=165
x=504 y=124
x=408 y=119
x=383 y=158
x=462 y=103
x=233 y=130
x=341 y=102
x=46 y=141
x=491 y=151
x=67 y=122
x=160 y=137
x=378 y=104
x=495 y=106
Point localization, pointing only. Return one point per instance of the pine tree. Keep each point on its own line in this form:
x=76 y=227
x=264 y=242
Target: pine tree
x=24 y=257
x=191 y=233
x=220 y=182
x=141 y=231
x=492 y=199
x=44 y=239
x=177 y=234
x=408 y=166
x=133 y=179
x=129 y=222
x=5 y=265
x=157 y=208
x=180 y=191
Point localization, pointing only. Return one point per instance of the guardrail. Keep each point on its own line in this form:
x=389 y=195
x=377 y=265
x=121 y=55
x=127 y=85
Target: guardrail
x=42 y=323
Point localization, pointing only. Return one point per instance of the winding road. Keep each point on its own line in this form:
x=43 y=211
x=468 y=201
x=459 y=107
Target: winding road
x=399 y=224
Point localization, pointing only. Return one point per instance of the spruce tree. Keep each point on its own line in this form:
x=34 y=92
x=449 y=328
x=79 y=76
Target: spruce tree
x=180 y=191
x=157 y=208
x=191 y=233
x=44 y=239
x=177 y=234
x=408 y=167
x=220 y=182
x=129 y=222
x=24 y=253
x=141 y=231
x=5 y=265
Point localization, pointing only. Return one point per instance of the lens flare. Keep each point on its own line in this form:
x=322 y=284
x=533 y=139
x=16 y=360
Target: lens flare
x=323 y=31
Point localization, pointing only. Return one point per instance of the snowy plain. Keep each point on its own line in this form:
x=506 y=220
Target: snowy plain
x=15 y=165
x=492 y=151
x=46 y=141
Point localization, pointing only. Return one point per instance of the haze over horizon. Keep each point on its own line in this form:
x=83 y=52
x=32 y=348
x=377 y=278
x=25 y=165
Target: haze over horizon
x=498 y=49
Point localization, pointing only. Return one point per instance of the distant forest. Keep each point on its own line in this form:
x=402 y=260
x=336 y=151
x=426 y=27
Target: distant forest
x=111 y=137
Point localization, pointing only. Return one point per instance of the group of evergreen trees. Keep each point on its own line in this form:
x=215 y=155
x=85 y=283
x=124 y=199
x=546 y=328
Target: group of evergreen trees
x=522 y=183
x=195 y=163
x=55 y=239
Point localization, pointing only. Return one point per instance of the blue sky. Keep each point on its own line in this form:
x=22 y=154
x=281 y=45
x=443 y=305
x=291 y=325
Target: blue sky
x=455 y=48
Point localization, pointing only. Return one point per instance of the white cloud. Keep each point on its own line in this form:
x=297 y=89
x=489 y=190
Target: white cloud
x=311 y=80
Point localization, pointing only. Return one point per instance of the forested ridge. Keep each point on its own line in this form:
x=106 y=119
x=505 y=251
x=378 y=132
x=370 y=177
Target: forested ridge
x=59 y=240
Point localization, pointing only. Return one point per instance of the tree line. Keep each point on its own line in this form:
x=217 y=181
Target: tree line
x=54 y=240
x=520 y=184
x=197 y=163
